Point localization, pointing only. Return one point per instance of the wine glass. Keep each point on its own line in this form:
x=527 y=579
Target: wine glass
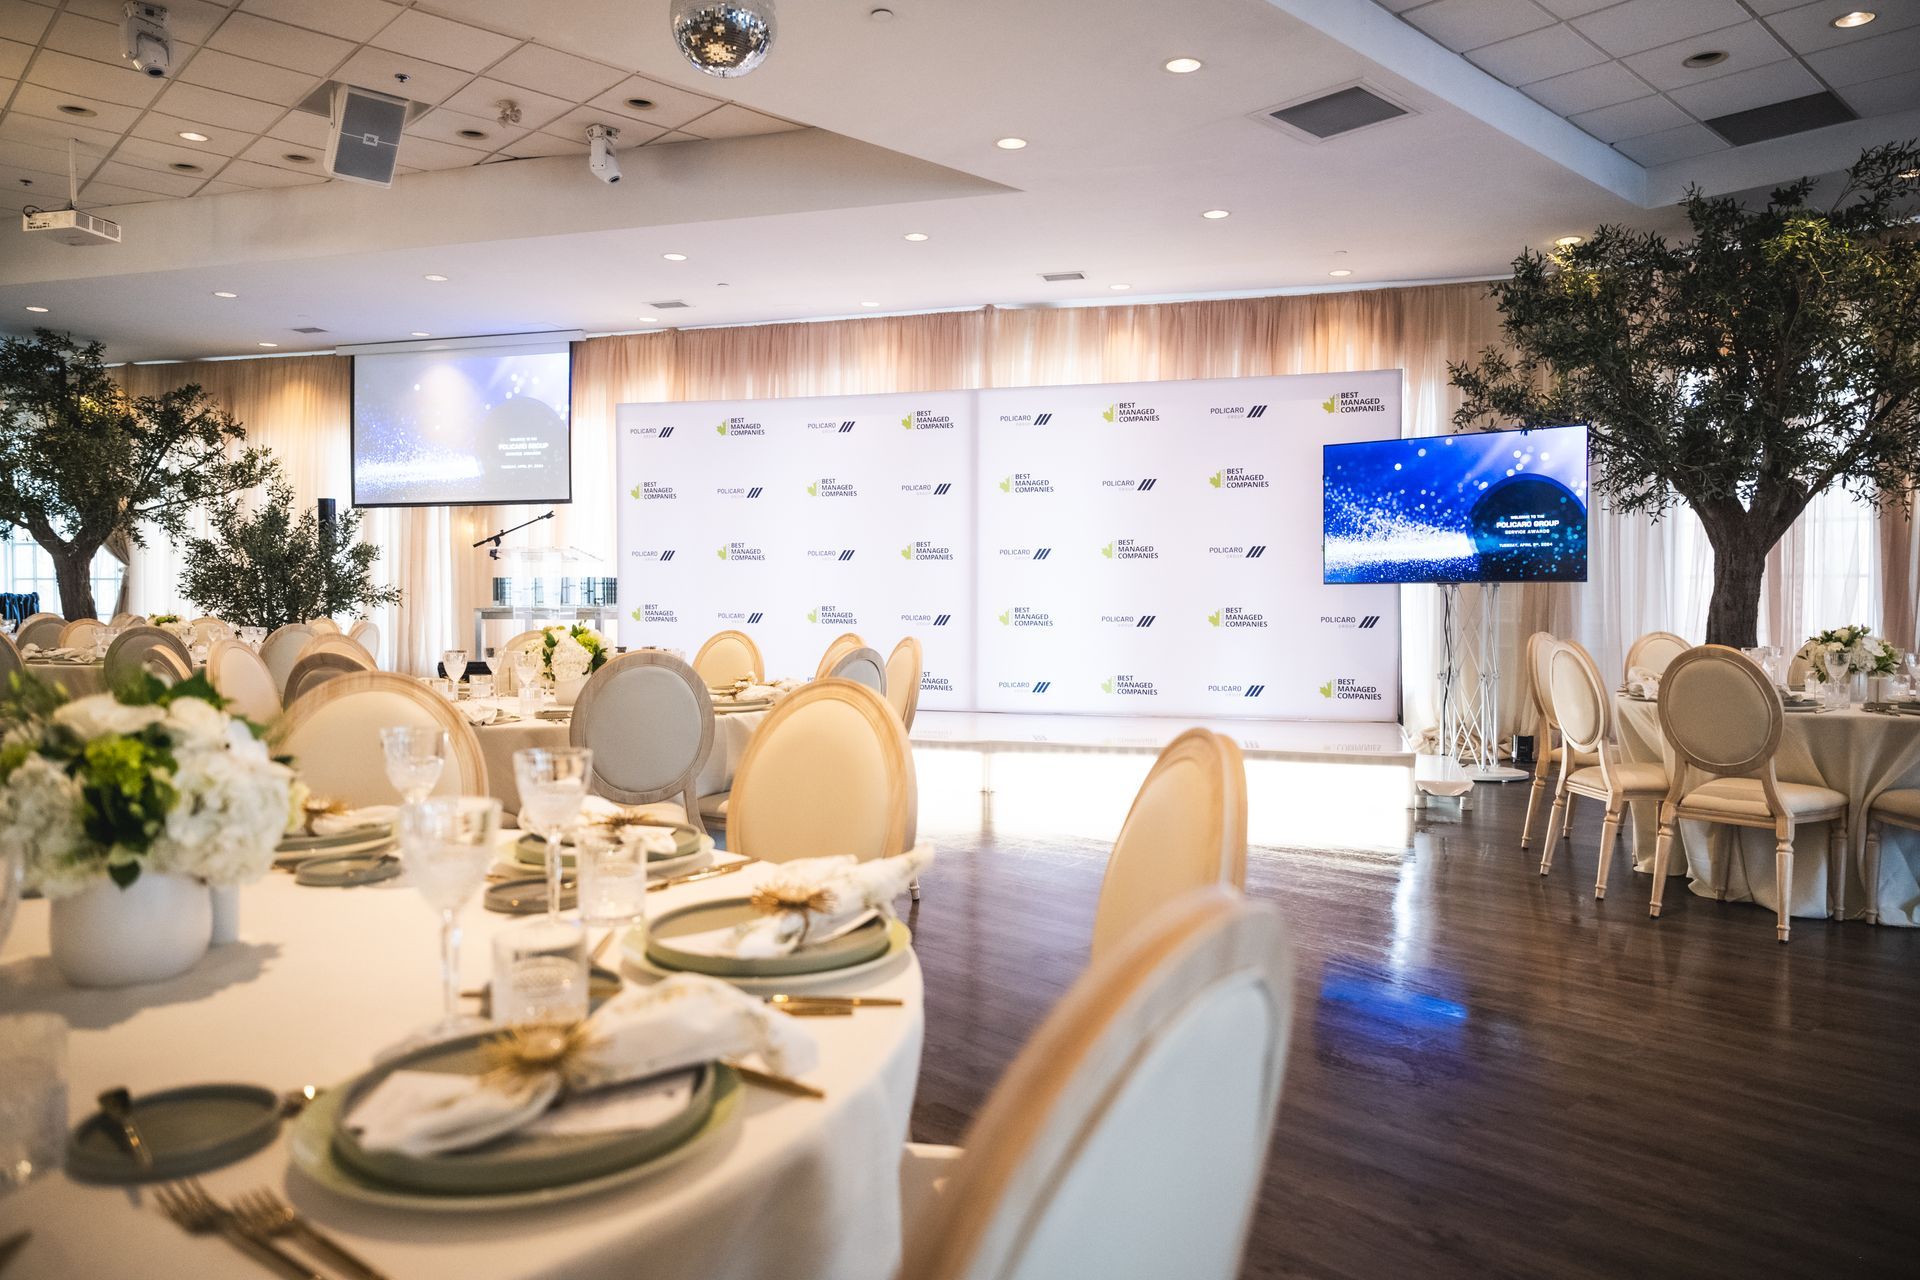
x=415 y=757
x=526 y=664
x=446 y=845
x=456 y=664
x=1910 y=663
x=1839 y=679
x=553 y=786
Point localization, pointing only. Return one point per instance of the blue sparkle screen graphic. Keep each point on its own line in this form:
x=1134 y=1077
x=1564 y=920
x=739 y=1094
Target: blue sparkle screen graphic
x=462 y=426
x=1497 y=506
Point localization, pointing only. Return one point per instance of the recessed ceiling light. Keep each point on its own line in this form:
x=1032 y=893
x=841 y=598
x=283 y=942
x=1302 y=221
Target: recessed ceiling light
x=1010 y=144
x=1119 y=288
x=181 y=166
x=1214 y=215
x=297 y=157
x=1567 y=242
x=649 y=319
x=475 y=134
x=266 y=344
x=75 y=109
x=916 y=236
x=1340 y=271
x=1858 y=18
x=191 y=136
x=225 y=293
x=38 y=310
x=1181 y=66
x=880 y=15
x=420 y=333
x=869 y=304
x=437 y=279
x=1705 y=58
x=640 y=104
x=674 y=257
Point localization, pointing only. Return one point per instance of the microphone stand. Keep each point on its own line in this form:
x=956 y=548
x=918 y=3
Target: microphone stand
x=493 y=552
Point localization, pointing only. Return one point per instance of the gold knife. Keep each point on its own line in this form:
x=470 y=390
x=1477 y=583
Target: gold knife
x=707 y=874
x=837 y=1002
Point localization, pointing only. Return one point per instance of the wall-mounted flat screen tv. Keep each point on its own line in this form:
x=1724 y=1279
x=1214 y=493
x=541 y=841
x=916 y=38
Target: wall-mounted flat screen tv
x=1494 y=506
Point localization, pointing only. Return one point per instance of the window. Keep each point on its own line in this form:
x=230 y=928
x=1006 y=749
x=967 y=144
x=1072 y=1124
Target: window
x=25 y=567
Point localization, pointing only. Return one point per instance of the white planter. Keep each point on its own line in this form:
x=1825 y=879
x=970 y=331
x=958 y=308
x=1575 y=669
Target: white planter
x=156 y=928
x=566 y=691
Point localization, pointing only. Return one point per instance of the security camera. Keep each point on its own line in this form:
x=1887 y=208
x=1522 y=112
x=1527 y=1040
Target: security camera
x=144 y=40
x=601 y=161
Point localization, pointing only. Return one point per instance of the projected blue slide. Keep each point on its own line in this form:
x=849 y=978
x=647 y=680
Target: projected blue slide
x=1498 y=506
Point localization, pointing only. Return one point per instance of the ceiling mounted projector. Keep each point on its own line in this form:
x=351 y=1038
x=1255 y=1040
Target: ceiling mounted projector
x=724 y=38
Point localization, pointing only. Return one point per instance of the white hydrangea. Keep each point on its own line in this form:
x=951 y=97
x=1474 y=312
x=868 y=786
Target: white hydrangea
x=570 y=659
x=102 y=714
x=40 y=826
x=232 y=810
x=192 y=722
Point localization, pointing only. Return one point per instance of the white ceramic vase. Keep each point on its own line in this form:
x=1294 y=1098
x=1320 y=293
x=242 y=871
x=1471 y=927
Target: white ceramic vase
x=156 y=928
x=566 y=691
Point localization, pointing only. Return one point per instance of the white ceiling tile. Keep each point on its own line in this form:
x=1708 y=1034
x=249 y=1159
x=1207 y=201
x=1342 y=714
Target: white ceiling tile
x=1648 y=24
x=121 y=84
x=356 y=20
x=147 y=153
x=483 y=97
x=1745 y=90
x=1631 y=119
x=442 y=40
x=248 y=174
x=672 y=106
x=734 y=121
x=117 y=174
x=446 y=125
x=1578 y=91
x=197 y=102
x=157 y=126
x=88 y=38
x=25 y=155
x=573 y=127
x=1538 y=55
x=667 y=139
x=220 y=188
x=250 y=36
x=1809 y=27
x=1468 y=24
x=425 y=153
x=40 y=187
x=53 y=135
x=23 y=22
x=548 y=144
x=1875 y=59
x=426 y=81
x=189 y=21
x=106 y=195
x=13 y=58
x=1574 y=8
x=304 y=130
x=1672 y=144
x=1397 y=6
x=36 y=100
x=274 y=154
x=213 y=69
x=1885 y=96
x=1747 y=46
x=1765 y=7
x=562 y=75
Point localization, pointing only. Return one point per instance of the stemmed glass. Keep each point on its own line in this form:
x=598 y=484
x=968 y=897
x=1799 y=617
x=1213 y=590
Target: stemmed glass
x=1839 y=679
x=455 y=661
x=553 y=786
x=446 y=845
x=526 y=664
x=1910 y=663
x=415 y=757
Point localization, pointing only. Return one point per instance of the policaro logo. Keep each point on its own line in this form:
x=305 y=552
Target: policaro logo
x=1023 y=482
x=1124 y=686
x=1229 y=618
x=1353 y=402
x=830 y=487
x=737 y=427
x=739 y=552
x=1237 y=478
x=1129 y=549
x=1344 y=689
x=832 y=615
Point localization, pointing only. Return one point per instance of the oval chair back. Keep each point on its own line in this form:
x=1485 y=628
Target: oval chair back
x=42 y=630
x=648 y=719
x=317 y=666
x=167 y=666
x=9 y=662
x=129 y=653
x=904 y=669
x=1539 y=654
x=341 y=646
x=1720 y=714
x=333 y=734
x=82 y=633
x=281 y=649
x=727 y=657
x=1128 y=1139
x=124 y=620
x=841 y=646
x=1654 y=651
x=1187 y=829
x=827 y=772
x=504 y=681
x=323 y=626
x=862 y=666
x=238 y=675
x=208 y=629
x=366 y=634
x=1579 y=696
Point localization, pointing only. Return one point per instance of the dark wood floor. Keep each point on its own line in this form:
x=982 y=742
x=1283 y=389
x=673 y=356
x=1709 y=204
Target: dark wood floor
x=1492 y=1074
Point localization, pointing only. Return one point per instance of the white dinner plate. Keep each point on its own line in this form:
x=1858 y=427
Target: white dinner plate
x=633 y=948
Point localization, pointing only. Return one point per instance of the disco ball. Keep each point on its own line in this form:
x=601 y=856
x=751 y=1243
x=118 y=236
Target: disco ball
x=724 y=38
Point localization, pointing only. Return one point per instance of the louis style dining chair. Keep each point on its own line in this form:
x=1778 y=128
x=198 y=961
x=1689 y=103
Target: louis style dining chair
x=131 y=651
x=1721 y=716
x=1127 y=1140
x=728 y=657
x=904 y=669
x=333 y=734
x=1549 y=755
x=1655 y=652
x=648 y=719
x=239 y=676
x=839 y=648
x=1897 y=808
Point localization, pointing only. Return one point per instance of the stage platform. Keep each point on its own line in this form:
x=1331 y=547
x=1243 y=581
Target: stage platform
x=1317 y=741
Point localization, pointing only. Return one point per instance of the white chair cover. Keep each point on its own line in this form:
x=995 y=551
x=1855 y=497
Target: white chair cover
x=333 y=734
x=239 y=676
x=648 y=719
x=129 y=652
x=282 y=649
x=729 y=656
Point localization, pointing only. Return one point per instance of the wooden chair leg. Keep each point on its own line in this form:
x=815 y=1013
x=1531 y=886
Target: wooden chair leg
x=913 y=888
x=1609 y=832
x=1837 y=870
x=1533 y=804
x=1872 y=872
x=1783 y=884
x=1556 y=820
x=1662 y=847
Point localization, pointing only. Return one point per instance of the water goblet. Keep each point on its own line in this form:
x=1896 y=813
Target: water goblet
x=446 y=845
x=611 y=863
x=415 y=757
x=455 y=661
x=526 y=665
x=553 y=786
x=1839 y=679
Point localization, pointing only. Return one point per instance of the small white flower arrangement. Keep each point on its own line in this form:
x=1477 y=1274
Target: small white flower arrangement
x=148 y=778
x=1866 y=654
x=571 y=652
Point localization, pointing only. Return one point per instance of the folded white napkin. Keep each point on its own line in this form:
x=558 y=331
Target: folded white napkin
x=843 y=893
x=479 y=713
x=373 y=815
x=58 y=654
x=1642 y=683
x=686 y=1020
x=754 y=693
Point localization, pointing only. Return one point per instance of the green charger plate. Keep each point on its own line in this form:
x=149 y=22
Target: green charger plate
x=532 y=849
x=854 y=947
x=633 y=950
x=313 y=1154
x=188 y=1130
x=337 y=842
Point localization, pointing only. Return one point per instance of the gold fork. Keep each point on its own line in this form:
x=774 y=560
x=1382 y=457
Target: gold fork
x=266 y=1213
x=197 y=1213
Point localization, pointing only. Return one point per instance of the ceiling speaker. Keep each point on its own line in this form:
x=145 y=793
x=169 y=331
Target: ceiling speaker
x=364 y=144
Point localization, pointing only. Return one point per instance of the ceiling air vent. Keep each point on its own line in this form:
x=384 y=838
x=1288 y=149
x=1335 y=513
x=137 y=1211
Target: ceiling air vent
x=1061 y=277
x=308 y=328
x=673 y=304
x=1329 y=115
x=1778 y=119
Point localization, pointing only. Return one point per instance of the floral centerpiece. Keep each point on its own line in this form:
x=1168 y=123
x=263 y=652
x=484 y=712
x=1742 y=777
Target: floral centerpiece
x=124 y=807
x=1866 y=654
x=164 y=619
x=570 y=652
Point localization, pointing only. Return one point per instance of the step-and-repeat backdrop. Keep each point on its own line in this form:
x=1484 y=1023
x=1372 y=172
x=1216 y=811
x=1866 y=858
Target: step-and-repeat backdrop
x=1141 y=549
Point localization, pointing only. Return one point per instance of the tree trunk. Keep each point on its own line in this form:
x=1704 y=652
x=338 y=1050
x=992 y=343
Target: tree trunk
x=72 y=569
x=1739 y=563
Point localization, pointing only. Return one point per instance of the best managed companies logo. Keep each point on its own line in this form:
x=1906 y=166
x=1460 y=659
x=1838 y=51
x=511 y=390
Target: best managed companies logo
x=1124 y=411
x=1343 y=689
x=1021 y=482
x=1228 y=617
x=1353 y=402
x=652 y=491
x=740 y=552
x=1237 y=478
x=733 y=428
x=927 y=420
x=921 y=551
x=1021 y=616
x=1129 y=687
x=832 y=615
x=830 y=487
x=1130 y=549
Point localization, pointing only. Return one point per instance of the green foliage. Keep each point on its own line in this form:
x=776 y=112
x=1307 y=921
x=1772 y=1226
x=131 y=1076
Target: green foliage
x=265 y=567
x=81 y=461
x=590 y=640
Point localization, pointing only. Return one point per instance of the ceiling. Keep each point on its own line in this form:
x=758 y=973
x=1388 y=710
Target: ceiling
x=1617 y=70
x=796 y=187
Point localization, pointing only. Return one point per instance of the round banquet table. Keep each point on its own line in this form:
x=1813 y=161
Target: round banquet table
x=500 y=740
x=80 y=678
x=324 y=978
x=1860 y=753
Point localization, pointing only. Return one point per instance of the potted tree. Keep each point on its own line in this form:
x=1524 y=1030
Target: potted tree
x=265 y=567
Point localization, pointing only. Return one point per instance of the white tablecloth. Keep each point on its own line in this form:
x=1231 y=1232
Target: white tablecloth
x=1857 y=752
x=80 y=678
x=498 y=742
x=323 y=978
